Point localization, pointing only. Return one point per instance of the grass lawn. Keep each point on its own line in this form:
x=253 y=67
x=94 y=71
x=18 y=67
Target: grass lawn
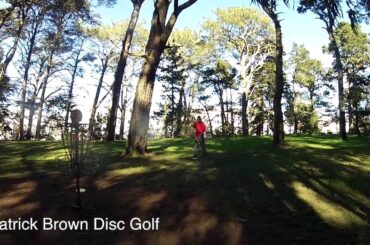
x=315 y=190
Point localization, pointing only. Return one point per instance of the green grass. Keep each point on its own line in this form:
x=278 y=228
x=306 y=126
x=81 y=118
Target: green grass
x=315 y=189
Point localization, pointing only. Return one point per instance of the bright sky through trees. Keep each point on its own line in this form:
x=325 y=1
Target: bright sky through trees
x=302 y=29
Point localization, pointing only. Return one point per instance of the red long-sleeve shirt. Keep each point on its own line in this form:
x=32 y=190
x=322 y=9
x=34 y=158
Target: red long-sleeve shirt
x=200 y=128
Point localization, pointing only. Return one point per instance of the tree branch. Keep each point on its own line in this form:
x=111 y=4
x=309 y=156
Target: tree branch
x=179 y=9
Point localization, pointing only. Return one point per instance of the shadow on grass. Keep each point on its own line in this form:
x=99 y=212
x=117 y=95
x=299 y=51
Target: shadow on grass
x=245 y=191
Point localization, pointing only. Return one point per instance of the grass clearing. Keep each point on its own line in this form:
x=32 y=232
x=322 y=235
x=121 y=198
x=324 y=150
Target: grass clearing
x=316 y=189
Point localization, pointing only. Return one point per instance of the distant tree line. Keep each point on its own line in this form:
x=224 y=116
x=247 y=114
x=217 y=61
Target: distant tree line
x=232 y=71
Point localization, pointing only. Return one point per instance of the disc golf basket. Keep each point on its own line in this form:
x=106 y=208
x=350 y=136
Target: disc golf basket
x=76 y=161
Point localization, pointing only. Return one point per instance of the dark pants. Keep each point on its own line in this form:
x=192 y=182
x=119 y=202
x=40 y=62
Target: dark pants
x=201 y=142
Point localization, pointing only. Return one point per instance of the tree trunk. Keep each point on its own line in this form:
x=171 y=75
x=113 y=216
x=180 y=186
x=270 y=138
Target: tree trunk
x=34 y=97
x=244 y=115
x=3 y=71
x=42 y=98
x=232 y=128
x=179 y=111
x=259 y=117
x=97 y=94
x=41 y=107
x=10 y=55
x=278 y=137
x=295 y=129
x=223 y=119
x=227 y=110
x=139 y=124
x=339 y=69
x=70 y=92
x=30 y=118
x=209 y=122
x=357 y=120
x=159 y=33
x=25 y=81
x=118 y=76
x=123 y=113
x=350 y=117
x=172 y=110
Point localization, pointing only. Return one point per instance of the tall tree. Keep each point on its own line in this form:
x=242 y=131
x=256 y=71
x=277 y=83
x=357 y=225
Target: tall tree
x=19 y=12
x=78 y=55
x=36 y=86
x=63 y=22
x=192 y=53
x=329 y=12
x=354 y=47
x=246 y=33
x=34 y=26
x=220 y=77
x=269 y=6
x=172 y=78
x=161 y=28
x=104 y=41
x=118 y=76
x=307 y=73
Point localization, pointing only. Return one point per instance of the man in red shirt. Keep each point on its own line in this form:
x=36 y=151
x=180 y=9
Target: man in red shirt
x=200 y=131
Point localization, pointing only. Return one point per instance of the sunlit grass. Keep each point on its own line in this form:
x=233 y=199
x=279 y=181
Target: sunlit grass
x=128 y=171
x=331 y=212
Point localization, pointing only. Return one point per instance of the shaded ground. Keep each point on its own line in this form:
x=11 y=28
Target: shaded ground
x=246 y=191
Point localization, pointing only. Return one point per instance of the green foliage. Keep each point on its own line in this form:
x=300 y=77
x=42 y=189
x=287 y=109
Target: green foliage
x=233 y=27
x=188 y=45
x=308 y=120
x=307 y=90
x=172 y=76
x=354 y=47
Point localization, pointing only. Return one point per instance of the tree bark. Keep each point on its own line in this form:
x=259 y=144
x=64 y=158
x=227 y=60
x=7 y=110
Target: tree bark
x=70 y=91
x=159 y=33
x=278 y=137
x=179 y=111
x=8 y=59
x=339 y=69
x=97 y=94
x=25 y=81
x=137 y=137
x=223 y=118
x=123 y=113
x=42 y=98
x=259 y=117
x=30 y=118
x=10 y=55
x=33 y=99
x=118 y=76
x=350 y=117
x=244 y=115
x=41 y=107
x=357 y=120
x=232 y=119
